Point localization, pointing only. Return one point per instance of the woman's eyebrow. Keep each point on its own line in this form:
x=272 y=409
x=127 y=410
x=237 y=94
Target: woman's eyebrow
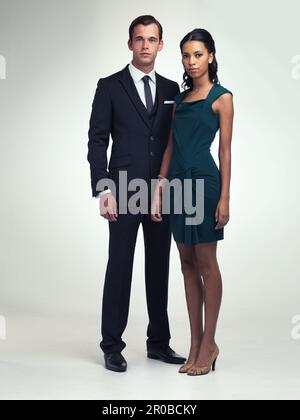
x=195 y=52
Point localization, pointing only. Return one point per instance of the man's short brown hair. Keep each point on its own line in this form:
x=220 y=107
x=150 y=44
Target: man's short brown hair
x=145 y=20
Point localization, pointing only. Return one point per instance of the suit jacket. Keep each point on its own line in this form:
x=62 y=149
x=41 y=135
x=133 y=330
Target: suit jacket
x=139 y=142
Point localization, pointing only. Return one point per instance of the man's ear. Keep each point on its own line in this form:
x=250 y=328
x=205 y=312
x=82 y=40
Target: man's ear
x=161 y=45
x=129 y=44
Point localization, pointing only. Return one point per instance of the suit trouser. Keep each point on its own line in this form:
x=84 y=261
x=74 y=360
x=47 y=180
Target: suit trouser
x=117 y=286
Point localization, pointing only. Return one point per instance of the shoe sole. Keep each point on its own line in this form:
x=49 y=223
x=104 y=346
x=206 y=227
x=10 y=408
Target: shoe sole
x=162 y=359
x=116 y=369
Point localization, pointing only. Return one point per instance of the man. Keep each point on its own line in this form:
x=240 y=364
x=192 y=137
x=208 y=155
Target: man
x=135 y=107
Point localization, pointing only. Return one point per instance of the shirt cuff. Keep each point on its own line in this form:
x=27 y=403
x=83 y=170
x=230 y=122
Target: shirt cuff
x=103 y=192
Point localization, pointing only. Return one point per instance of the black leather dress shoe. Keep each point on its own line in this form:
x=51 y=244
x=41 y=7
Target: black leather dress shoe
x=115 y=362
x=166 y=355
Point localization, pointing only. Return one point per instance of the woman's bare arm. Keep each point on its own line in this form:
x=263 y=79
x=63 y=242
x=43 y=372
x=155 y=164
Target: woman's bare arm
x=164 y=168
x=224 y=106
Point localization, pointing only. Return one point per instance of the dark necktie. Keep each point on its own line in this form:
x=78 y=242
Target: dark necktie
x=148 y=95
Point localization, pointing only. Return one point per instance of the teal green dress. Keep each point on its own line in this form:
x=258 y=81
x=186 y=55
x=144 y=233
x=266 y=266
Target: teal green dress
x=194 y=128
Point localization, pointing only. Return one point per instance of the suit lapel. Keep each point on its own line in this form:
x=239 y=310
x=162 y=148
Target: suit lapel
x=128 y=84
x=160 y=98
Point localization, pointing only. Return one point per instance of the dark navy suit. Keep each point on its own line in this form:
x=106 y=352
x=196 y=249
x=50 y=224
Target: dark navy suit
x=139 y=142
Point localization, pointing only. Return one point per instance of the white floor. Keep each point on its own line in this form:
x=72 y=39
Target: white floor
x=45 y=358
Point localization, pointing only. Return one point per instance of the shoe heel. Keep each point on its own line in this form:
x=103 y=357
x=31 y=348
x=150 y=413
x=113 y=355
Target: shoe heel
x=214 y=365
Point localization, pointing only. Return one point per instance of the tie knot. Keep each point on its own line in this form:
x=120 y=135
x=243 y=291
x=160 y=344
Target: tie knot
x=146 y=79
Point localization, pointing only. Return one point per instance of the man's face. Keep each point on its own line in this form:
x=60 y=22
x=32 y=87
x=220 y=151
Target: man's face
x=145 y=44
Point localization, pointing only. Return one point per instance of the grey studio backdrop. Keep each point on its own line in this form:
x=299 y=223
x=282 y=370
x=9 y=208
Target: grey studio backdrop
x=54 y=244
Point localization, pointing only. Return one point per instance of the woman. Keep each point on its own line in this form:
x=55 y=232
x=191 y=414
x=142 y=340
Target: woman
x=199 y=112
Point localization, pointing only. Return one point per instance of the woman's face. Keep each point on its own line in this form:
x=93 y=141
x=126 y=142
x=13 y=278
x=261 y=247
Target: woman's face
x=196 y=58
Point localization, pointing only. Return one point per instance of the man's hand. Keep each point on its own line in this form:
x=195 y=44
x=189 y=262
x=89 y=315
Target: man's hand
x=108 y=207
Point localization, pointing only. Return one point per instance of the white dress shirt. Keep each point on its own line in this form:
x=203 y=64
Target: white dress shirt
x=137 y=76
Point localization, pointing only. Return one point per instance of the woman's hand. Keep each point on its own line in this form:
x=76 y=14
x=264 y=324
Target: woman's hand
x=156 y=205
x=222 y=213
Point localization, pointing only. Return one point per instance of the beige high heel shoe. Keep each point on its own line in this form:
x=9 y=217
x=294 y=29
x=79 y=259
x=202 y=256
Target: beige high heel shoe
x=184 y=368
x=204 y=370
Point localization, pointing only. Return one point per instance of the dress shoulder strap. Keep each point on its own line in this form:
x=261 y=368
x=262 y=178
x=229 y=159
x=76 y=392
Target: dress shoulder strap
x=216 y=92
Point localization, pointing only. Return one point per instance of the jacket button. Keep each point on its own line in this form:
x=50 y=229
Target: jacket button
x=151 y=138
x=151 y=153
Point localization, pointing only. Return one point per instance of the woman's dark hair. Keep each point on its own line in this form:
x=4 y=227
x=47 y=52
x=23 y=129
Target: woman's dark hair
x=204 y=36
x=145 y=20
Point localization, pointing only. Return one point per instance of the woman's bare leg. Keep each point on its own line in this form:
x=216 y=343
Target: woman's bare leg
x=212 y=283
x=194 y=297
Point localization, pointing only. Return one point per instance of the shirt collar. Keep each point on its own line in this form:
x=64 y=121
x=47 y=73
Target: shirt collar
x=137 y=74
